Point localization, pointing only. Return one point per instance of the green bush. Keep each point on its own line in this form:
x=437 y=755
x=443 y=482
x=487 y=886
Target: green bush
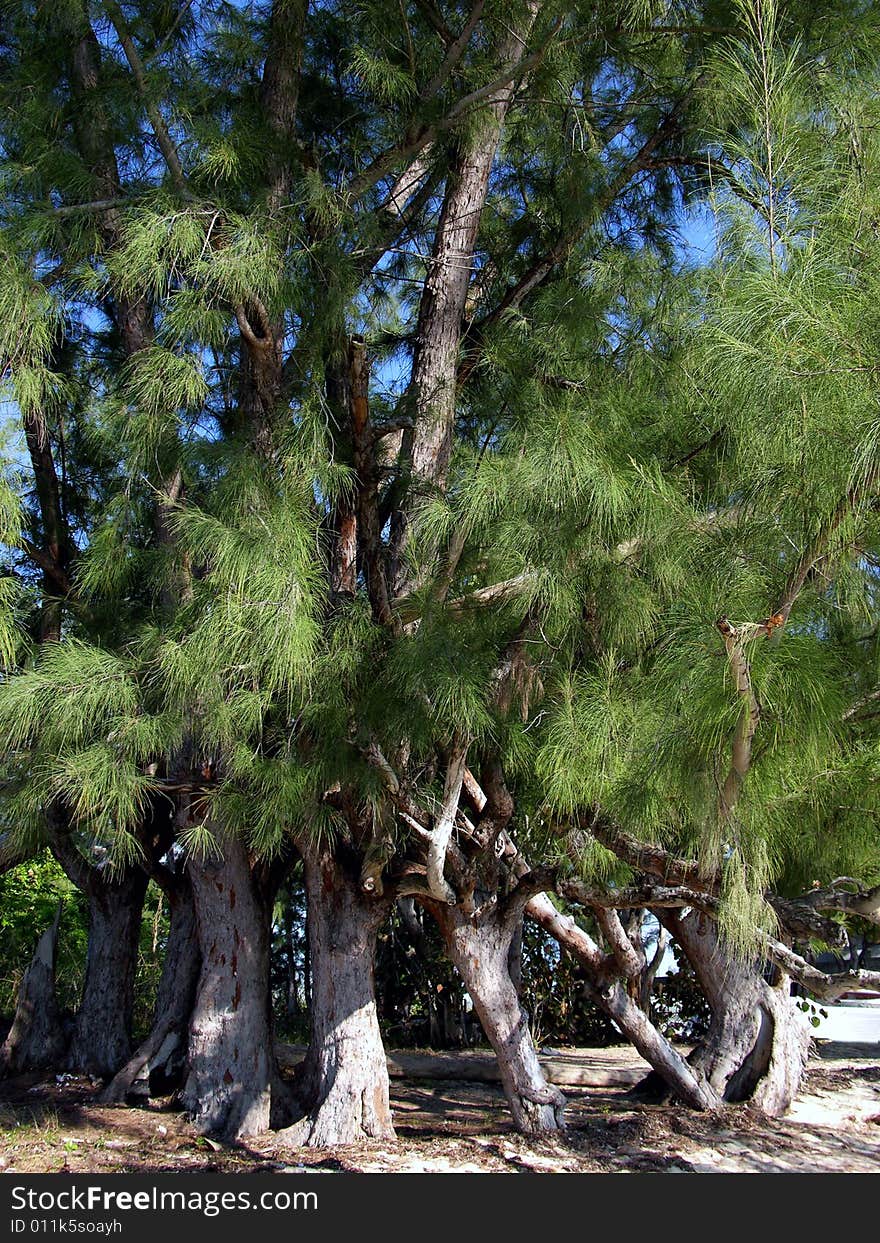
x=29 y=898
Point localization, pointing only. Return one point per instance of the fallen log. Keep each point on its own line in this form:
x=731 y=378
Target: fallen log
x=575 y=1068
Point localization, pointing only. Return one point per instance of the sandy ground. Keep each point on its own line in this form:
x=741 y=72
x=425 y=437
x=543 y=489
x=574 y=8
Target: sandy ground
x=454 y=1126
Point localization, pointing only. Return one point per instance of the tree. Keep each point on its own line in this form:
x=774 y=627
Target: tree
x=764 y=737
x=386 y=476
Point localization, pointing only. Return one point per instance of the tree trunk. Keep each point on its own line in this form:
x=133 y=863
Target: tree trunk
x=102 y=1029
x=757 y=1045
x=343 y=1086
x=427 y=448
x=292 y=1006
x=649 y=974
x=36 y=1040
x=156 y=1066
x=230 y=1064
x=481 y=953
x=687 y=1082
x=515 y=958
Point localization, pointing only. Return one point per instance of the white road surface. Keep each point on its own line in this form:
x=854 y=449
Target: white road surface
x=851 y=1021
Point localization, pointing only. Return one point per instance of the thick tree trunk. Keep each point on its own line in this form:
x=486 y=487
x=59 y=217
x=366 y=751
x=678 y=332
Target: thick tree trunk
x=343 y=1087
x=230 y=1065
x=157 y=1064
x=36 y=1040
x=480 y=951
x=102 y=1028
x=757 y=1045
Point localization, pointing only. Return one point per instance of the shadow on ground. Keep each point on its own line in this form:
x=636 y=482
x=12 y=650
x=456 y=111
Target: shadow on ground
x=49 y=1125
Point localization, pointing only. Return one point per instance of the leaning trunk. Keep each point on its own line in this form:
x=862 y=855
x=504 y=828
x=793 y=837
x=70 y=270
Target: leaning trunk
x=343 y=1086
x=757 y=1045
x=230 y=1062
x=679 y=1078
x=102 y=1029
x=610 y=995
x=480 y=950
x=36 y=1039
x=155 y=1067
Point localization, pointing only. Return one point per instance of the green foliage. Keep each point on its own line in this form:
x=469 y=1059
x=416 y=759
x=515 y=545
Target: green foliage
x=29 y=898
x=30 y=895
x=642 y=443
x=771 y=375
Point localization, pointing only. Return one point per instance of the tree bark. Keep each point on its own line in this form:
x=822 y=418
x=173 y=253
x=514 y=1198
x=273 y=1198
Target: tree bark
x=279 y=92
x=230 y=1064
x=449 y=276
x=292 y=1003
x=426 y=450
x=102 y=1029
x=157 y=1064
x=757 y=1045
x=55 y=543
x=343 y=1086
x=36 y=1040
x=649 y=974
x=480 y=950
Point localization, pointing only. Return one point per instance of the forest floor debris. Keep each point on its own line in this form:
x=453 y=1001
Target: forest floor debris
x=50 y=1124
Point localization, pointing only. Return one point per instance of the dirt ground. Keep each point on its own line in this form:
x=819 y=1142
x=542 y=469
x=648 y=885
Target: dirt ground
x=47 y=1125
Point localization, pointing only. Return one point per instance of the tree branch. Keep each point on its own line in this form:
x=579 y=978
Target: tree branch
x=750 y=715
x=862 y=902
x=442 y=830
x=163 y=137
x=818 y=983
x=417 y=141
x=735 y=638
x=97 y=205
x=625 y=955
x=686 y=883
x=435 y=20
x=48 y=565
x=540 y=268
x=685 y=1081
x=455 y=52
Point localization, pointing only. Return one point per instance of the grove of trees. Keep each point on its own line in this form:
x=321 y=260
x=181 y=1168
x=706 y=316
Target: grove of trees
x=441 y=465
